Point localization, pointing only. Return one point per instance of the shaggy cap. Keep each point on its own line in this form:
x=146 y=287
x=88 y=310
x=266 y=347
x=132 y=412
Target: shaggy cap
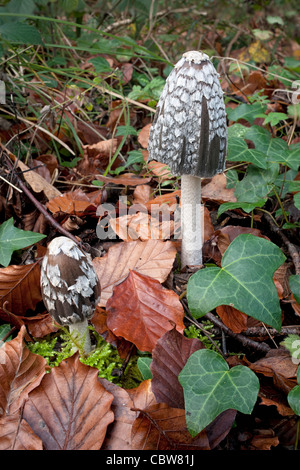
x=189 y=131
x=69 y=283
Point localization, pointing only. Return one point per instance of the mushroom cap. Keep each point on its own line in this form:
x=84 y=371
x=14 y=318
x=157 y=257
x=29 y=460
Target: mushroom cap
x=189 y=131
x=69 y=283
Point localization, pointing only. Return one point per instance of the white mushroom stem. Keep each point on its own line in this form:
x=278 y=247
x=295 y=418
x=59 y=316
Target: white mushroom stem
x=191 y=223
x=80 y=332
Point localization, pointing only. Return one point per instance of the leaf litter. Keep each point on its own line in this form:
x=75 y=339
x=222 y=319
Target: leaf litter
x=143 y=306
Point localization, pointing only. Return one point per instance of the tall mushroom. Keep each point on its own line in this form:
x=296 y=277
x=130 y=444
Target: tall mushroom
x=189 y=134
x=70 y=288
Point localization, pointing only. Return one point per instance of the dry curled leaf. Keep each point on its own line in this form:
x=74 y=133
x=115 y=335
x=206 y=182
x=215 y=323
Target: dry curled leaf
x=70 y=409
x=160 y=427
x=20 y=287
x=20 y=372
x=169 y=356
x=154 y=258
x=141 y=311
x=16 y=434
x=73 y=203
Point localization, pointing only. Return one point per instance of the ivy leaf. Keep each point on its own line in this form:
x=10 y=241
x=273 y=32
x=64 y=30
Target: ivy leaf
x=238 y=151
x=245 y=281
x=294 y=399
x=12 y=238
x=245 y=111
x=210 y=388
x=294 y=282
x=257 y=183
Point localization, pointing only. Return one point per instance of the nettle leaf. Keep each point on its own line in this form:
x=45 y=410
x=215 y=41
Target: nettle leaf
x=238 y=151
x=210 y=388
x=21 y=33
x=12 y=238
x=294 y=282
x=245 y=281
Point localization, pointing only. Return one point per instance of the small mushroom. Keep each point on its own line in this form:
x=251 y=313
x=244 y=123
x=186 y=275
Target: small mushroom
x=70 y=288
x=189 y=134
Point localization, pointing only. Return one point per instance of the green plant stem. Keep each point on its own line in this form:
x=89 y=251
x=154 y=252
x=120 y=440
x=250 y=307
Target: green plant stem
x=281 y=206
x=297 y=434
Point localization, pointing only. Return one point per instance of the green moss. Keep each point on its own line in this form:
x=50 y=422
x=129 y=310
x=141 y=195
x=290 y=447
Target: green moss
x=104 y=357
x=193 y=332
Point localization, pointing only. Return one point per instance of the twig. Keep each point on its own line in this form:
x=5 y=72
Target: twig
x=38 y=205
x=247 y=342
x=8 y=182
x=292 y=249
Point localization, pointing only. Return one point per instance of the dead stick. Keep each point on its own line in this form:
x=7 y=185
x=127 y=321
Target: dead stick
x=40 y=206
x=247 y=342
x=292 y=249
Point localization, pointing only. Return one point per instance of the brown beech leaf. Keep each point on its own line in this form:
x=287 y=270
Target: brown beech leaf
x=20 y=287
x=40 y=325
x=221 y=239
x=216 y=190
x=143 y=396
x=70 y=410
x=142 y=194
x=277 y=364
x=118 y=436
x=37 y=182
x=141 y=311
x=236 y=320
x=160 y=427
x=160 y=170
x=154 y=258
x=16 y=434
x=141 y=226
x=169 y=356
x=20 y=372
x=97 y=156
x=127 y=179
x=73 y=203
x=143 y=137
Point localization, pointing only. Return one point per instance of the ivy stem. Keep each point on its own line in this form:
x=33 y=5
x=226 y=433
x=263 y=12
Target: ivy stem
x=281 y=205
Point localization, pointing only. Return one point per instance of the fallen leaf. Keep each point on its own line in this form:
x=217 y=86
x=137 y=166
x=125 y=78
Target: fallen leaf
x=118 y=436
x=143 y=137
x=16 y=434
x=127 y=179
x=154 y=258
x=73 y=203
x=142 y=194
x=160 y=427
x=233 y=318
x=216 y=190
x=20 y=372
x=141 y=311
x=161 y=170
x=20 y=287
x=70 y=409
x=37 y=182
x=141 y=226
x=277 y=364
x=169 y=356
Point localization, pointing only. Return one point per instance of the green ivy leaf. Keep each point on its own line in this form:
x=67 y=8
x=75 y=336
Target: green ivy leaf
x=210 y=388
x=12 y=238
x=238 y=151
x=294 y=282
x=245 y=281
x=245 y=206
x=144 y=367
x=257 y=183
x=245 y=111
x=294 y=399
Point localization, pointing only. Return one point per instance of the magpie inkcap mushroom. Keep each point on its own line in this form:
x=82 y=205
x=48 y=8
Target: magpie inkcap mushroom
x=189 y=134
x=70 y=288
